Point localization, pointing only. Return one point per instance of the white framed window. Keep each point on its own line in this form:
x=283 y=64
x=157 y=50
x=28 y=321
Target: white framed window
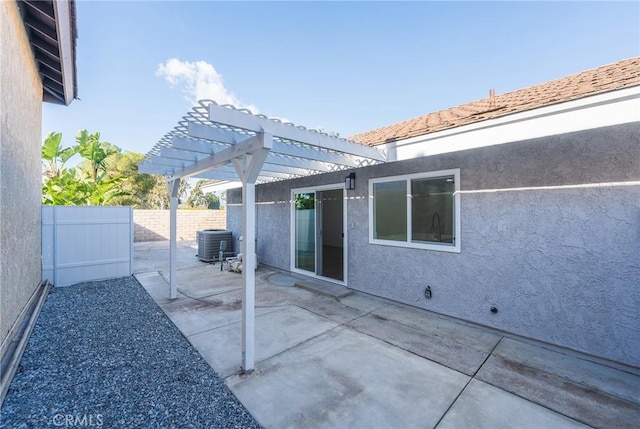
x=419 y=210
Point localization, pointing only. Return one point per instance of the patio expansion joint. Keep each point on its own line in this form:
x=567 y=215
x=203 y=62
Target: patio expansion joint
x=534 y=401
x=227 y=324
x=143 y=278
x=287 y=349
x=488 y=356
x=202 y=298
x=528 y=400
x=334 y=321
x=474 y=377
x=409 y=351
x=338 y=325
x=454 y=401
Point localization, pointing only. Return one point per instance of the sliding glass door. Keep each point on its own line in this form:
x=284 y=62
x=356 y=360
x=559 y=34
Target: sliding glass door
x=319 y=233
x=305 y=231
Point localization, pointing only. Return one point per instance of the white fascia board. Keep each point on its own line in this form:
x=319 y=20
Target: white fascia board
x=62 y=12
x=246 y=121
x=611 y=108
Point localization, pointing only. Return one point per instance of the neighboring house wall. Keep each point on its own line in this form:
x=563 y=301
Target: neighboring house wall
x=560 y=263
x=20 y=169
x=153 y=225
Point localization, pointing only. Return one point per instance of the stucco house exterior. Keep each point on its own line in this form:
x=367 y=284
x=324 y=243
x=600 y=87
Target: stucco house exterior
x=37 y=47
x=519 y=212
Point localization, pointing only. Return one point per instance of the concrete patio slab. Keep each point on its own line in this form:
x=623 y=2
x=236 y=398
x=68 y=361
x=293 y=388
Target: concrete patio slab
x=458 y=346
x=362 y=301
x=152 y=256
x=203 y=280
x=595 y=394
x=327 y=307
x=363 y=361
x=346 y=379
x=160 y=294
x=483 y=406
x=329 y=289
x=149 y=278
x=156 y=286
x=194 y=316
x=280 y=279
x=276 y=331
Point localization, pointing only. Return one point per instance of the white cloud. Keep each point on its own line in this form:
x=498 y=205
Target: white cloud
x=199 y=80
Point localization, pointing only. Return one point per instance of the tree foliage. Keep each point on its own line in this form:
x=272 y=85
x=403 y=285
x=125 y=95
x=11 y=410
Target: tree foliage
x=198 y=199
x=158 y=196
x=94 y=152
x=106 y=176
x=54 y=157
x=78 y=186
x=135 y=187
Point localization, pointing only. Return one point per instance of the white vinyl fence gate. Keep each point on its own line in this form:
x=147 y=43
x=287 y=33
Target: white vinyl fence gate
x=84 y=243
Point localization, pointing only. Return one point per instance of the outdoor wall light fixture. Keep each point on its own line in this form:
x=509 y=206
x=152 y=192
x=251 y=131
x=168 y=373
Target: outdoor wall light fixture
x=350 y=182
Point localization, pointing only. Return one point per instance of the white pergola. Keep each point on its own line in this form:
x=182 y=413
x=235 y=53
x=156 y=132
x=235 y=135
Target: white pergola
x=229 y=145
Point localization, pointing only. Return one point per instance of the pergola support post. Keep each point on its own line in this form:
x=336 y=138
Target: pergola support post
x=249 y=275
x=248 y=167
x=174 y=186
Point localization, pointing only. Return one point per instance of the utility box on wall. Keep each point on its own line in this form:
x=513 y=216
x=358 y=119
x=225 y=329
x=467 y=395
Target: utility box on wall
x=85 y=243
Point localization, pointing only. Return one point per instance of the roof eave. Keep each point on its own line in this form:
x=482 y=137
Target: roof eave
x=65 y=25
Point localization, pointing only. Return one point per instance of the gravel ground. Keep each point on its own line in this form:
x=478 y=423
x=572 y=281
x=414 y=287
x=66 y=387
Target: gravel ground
x=103 y=354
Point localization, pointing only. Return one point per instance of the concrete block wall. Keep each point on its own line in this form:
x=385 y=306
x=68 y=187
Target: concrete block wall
x=153 y=225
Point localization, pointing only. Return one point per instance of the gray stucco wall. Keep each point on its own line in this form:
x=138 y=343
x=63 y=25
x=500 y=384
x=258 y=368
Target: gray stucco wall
x=562 y=265
x=20 y=169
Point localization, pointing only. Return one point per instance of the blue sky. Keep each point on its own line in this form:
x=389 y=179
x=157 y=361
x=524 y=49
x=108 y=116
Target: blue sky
x=343 y=66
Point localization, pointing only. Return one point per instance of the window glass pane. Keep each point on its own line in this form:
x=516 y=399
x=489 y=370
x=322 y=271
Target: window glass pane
x=305 y=251
x=390 y=210
x=432 y=210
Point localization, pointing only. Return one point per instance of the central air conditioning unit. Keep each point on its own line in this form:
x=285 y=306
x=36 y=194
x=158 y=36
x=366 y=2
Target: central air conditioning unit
x=209 y=244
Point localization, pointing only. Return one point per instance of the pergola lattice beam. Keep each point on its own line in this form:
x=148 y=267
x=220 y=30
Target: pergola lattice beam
x=206 y=132
x=199 y=149
x=223 y=157
x=239 y=119
x=196 y=144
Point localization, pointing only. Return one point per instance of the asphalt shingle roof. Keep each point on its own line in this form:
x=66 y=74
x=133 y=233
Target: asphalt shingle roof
x=622 y=74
